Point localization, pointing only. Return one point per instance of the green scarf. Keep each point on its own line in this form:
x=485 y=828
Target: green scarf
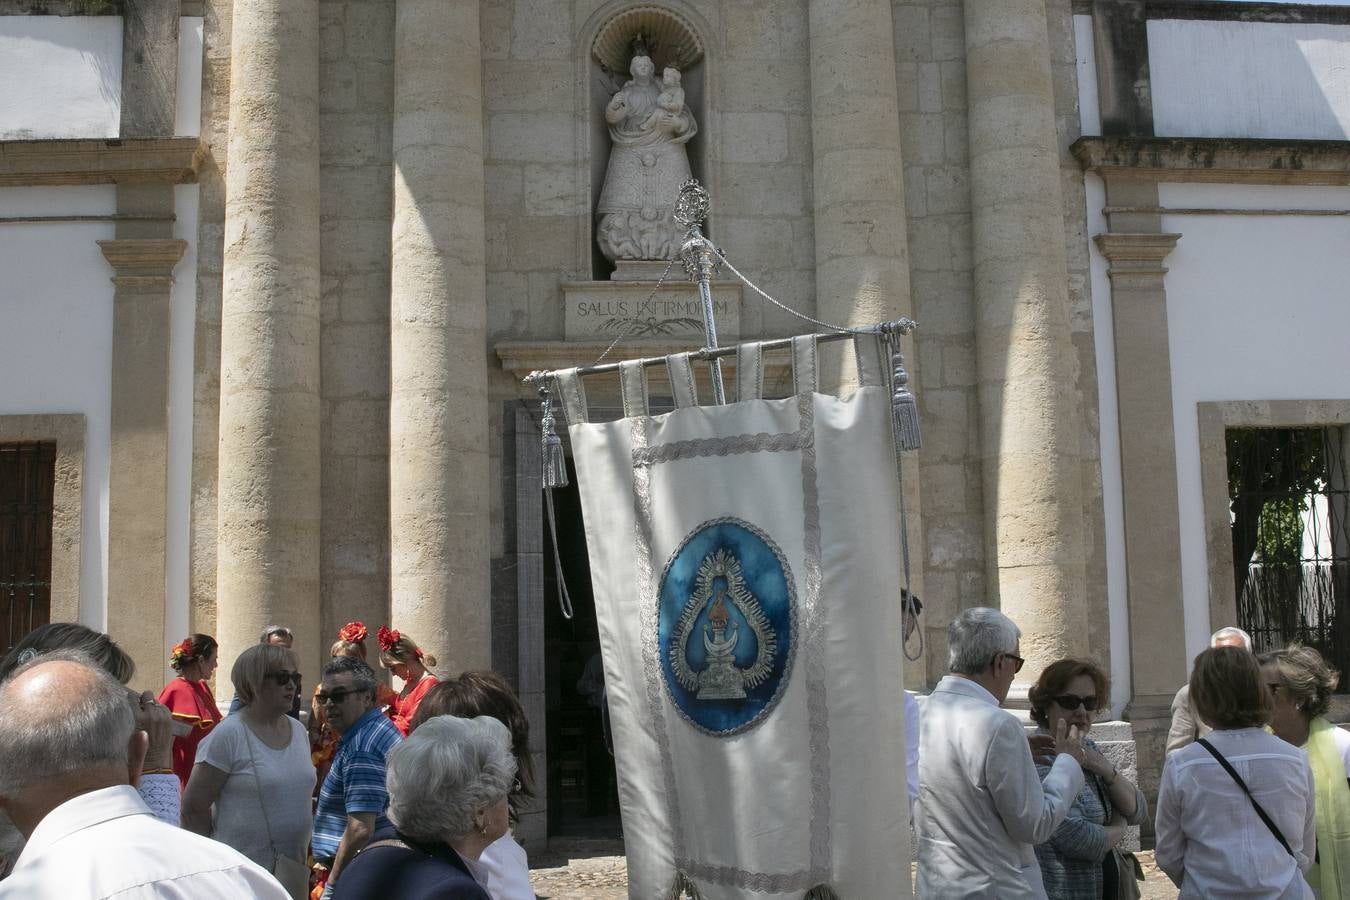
x=1333 y=812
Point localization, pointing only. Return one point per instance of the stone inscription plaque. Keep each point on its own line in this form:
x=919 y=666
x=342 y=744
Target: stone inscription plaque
x=603 y=310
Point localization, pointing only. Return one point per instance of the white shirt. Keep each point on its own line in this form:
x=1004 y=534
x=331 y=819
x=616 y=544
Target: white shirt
x=258 y=774
x=1211 y=842
x=982 y=806
x=912 y=731
x=503 y=870
x=107 y=844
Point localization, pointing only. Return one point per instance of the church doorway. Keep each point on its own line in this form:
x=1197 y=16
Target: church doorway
x=582 y=787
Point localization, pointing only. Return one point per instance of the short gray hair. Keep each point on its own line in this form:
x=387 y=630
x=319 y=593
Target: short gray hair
x=978 y=635
x=445 y=771
x=11 y=845
x=93 y=727
x=363 y=676
x=1232 y=631
x=269 y=630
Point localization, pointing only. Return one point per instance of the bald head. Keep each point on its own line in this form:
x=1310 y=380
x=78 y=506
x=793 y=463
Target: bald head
x=62 y=717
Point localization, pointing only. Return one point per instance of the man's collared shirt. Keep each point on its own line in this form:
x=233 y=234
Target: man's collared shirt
x=982 y=805
x=108 y=845
x=355 y=783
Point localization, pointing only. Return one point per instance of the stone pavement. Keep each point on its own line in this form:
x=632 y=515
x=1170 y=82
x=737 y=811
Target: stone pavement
x=596 y=870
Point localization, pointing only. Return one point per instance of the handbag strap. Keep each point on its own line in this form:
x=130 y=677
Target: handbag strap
x=248 y=742
x=1242 y=784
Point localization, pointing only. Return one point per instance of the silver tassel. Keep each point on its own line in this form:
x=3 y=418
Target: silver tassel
x=554 y=461
x=683 y=888
x=904 y=407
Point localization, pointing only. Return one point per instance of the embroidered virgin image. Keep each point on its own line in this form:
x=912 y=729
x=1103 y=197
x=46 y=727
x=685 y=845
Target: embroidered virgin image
x=727 y=626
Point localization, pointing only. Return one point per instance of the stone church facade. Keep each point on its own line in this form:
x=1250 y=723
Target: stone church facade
x=340 y=232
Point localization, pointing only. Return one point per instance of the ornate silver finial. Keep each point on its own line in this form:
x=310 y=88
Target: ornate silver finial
x=691 y=207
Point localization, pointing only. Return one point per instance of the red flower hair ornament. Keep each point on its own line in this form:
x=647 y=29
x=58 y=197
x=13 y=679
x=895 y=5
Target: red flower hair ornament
x=388 y=638
x=353 y=632
x=181 y=653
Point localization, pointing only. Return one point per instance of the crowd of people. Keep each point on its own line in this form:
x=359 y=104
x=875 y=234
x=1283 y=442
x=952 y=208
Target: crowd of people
x=1255 y=793
x=107 y=792
x=407 y=794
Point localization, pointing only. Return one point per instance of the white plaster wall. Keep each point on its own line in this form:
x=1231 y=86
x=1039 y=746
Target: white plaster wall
x=60 y=76
x=182 y=313
x=56 y=343
x=187 y=120
x=1256 y=311
x=1089 y=106
x=1250 y=79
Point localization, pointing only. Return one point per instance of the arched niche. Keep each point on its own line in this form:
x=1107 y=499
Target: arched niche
x=674 y=36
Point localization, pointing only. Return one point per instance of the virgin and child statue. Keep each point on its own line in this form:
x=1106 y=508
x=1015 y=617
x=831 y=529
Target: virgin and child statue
x=649 y=125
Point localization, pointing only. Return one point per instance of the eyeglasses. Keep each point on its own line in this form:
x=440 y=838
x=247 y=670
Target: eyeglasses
x=283 y=678
x=337 y=696
x=1018 y=662
x=1071 y=702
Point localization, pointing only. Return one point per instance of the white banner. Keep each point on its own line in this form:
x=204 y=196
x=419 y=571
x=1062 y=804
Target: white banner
x=746 y=576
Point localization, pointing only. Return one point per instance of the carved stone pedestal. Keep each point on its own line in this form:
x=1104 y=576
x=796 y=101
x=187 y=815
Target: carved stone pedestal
x=604 y=310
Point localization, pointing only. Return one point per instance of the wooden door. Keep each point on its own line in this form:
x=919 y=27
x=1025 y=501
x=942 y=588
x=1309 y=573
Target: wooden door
x=27 y=476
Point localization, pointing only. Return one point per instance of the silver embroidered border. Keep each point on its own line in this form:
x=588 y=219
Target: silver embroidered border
x=644 y=456
x=640 y=436
x=763 y=442
x=792 y=626
x=816 y=709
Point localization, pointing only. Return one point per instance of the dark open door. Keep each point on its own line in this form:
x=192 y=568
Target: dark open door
x=27 y=476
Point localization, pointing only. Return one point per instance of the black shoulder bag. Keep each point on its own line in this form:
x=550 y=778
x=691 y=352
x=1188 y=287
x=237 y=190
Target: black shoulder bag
x=1242 y=784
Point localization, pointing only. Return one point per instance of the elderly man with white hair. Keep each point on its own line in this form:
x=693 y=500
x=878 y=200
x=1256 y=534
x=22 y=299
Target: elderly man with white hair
x=70 y=756
x=982 y=806
x=448 y=784
x=1187 y=727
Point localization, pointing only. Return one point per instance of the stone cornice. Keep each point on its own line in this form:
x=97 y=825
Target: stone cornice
x=143 y=262
x=1245 y=160
x=100 y=161
x=1229 y=11
x=1135 y=255
x=62 y=7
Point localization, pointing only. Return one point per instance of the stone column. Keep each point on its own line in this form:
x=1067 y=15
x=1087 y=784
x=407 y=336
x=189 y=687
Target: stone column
x=862 y=245
x=1030 y=429
x=861 y=230
x=1135 y=249
x=139 y=448
x=438 y=417
x=269 y=506
x=143 y=256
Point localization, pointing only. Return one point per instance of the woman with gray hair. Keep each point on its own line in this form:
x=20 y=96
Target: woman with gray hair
x=448 y=784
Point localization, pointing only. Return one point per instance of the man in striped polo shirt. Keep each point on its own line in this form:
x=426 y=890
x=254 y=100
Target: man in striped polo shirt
x=353 y=798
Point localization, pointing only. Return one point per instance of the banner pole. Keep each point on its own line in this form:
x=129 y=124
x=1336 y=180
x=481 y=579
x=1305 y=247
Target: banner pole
x=697 y=253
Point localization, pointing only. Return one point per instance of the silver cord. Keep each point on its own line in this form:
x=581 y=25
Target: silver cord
x=623 y=334
x=784 y=307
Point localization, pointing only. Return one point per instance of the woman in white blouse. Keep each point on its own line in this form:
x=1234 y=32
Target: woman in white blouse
x=251 y=785
x=1211 y=839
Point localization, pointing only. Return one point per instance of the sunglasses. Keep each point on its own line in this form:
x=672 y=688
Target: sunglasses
x=336 y=696
x=1018 y=662
x=1070 y=702
x=283 y=678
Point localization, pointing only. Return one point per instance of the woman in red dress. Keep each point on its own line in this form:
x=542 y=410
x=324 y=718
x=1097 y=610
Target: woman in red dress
x=188 y=698
x=401 y=656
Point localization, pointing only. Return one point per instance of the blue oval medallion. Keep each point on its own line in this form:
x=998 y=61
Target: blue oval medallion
x=727 y=626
